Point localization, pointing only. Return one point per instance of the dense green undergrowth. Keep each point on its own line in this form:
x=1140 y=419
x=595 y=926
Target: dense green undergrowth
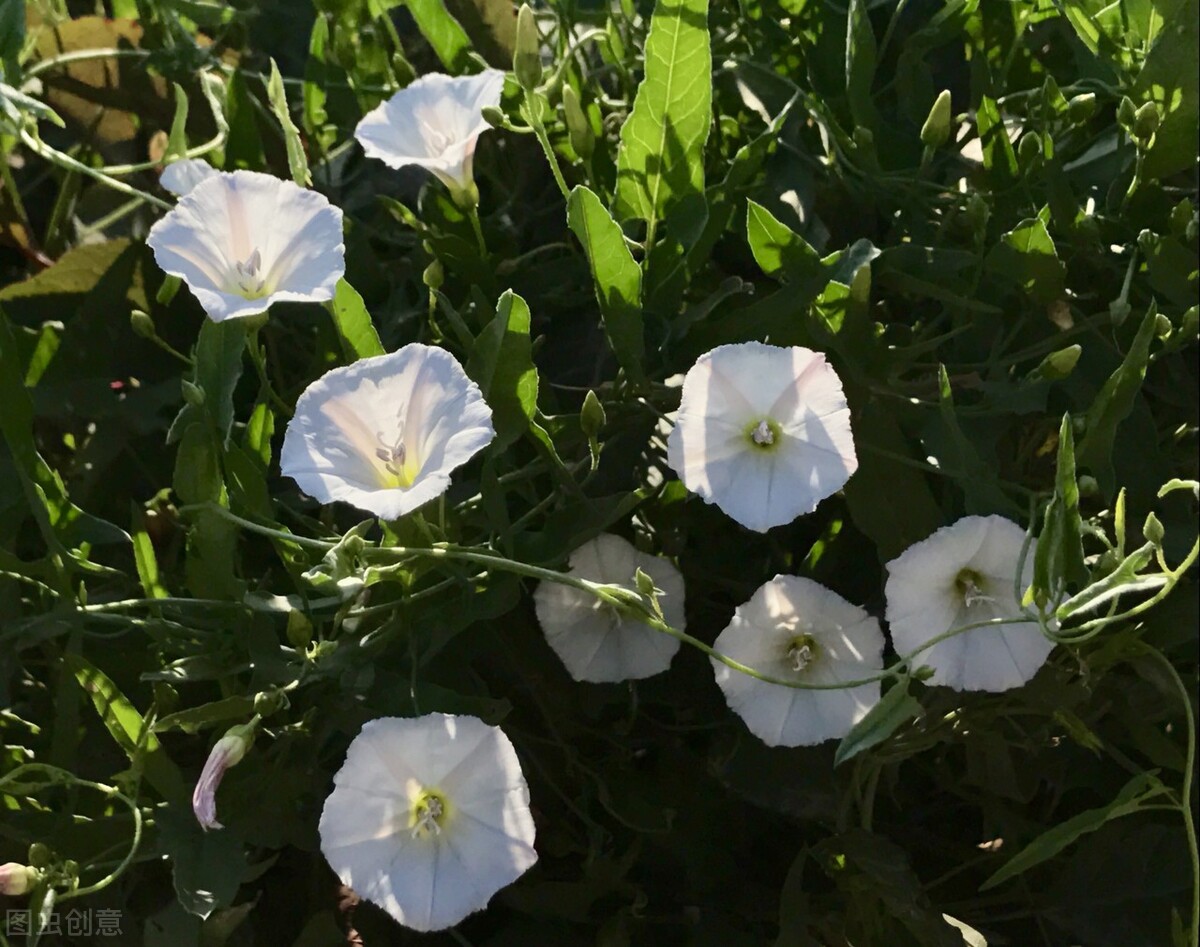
x=983 y=214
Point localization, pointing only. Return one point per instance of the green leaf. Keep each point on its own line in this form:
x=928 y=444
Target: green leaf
x=208 y=866
x=896 y=708
x=860 y=64
x=998 y=154
x=128 y=728
x=501 y=363
x=12 y=30
x=661 y=158
x=1170 y=77
x=1129 y=800
x=1059 y=558
x=355 y=330
x=1113 y=404
x=144 y=557
x=617 y=278
x=218 y=367
x=297 y=160
x=444 y=34
x=177 y=141
x=1027 y=255
x=1122 y=580
x=195 y=719
x=779 y=250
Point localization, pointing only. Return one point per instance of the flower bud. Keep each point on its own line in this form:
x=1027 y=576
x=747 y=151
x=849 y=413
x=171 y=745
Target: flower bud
x=1189 y=325
x=527 y=57
x=1029 y=149
x=578 y=127
x=1089 y=486
x=142 y=324
x=434 y=275
x=936 y=130
x=229 y=751
x=40 y=855
x=592 y=417
x=1060 y=364
x=494 y=116
x=1146 y=121
x=193 y=394
x=17 y=879
x=1126 y=112
x=1081 y=108
x=1162 y=326
x=1153 y=530
x=166 y=292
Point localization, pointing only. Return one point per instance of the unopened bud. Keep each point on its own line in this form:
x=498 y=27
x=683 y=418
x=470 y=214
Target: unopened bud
x=1029 y=149
x=936 y=130
x=434 y=275
x=1126 y=112
x=645 y=584
x=1060 y=364
x=17 y=879
x=1153 y=530
x=166 y=292
x=591 y=416
x=578 y=127
x=527 y=57
x=272 y=701
x=1088 y=486
x=494 y=116
x=1081 y=108
x=192 y=394
x=1162 y=326
x=1146 y=121
x=40 y=855
x=1189 y=325
x=142 y=324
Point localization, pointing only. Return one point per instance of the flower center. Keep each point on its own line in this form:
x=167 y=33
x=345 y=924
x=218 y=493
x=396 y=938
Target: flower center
x=427 y=814
x=972 y=588
x=248 y=277
x=764 y=434
x=399 y=471
x=438 y=140
x=802 y=652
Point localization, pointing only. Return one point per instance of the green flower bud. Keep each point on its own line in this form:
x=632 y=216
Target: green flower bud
x=1060 y=364
x=192 y=394
x=40 y=855
x=1189 y=325
x=1162 y=326
x=142 y=324
x=1153 y=530
x=1126 y=112
x=494 y=116
x=936 y=130
x=527 y=57
x=1146 y=121
x=272 y=701
x=592 y=417
x=1088 y=486
x=434 y=275
x=578 y=127
x=1029 y=149
x=166 y=292
x=1081 y=108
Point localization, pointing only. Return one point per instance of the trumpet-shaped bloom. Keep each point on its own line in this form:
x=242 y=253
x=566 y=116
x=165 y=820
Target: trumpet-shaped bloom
x=597 y=642
x=793 y=629
x=433 y=123
x=181 y=176
x=429 y=817
x=384 y=433
x=965 y=573
x=763 y=432
x=245 y=240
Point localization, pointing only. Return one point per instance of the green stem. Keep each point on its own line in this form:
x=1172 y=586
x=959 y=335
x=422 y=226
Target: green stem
x=473 y=215
x=54 y=156
x=539 y=129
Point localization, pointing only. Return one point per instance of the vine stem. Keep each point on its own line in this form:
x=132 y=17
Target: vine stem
x=54 y=156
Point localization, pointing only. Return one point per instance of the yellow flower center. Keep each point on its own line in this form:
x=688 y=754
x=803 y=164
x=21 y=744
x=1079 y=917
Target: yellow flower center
x=427 y=814
x=802 y=652
x=248 y=279
x=764 y=434
x=399 y=470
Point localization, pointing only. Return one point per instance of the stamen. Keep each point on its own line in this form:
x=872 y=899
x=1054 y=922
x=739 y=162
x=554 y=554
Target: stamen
x=428 y=813
x=971 y=586
x=248 y=278
x=394 y=458
x=762 y=434
x=802 y=651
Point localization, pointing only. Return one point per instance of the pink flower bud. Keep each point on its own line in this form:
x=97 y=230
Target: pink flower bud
x=16 y=878
x=227 y=752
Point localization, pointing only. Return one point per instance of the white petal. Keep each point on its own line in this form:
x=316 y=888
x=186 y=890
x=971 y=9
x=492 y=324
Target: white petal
x=594 y=641
x=734 y=387
x=849 y=647
x=924 y=601
x=431 y=881
x=433 y=123
x=293 y=235
x=418 y=397
x=181 y=176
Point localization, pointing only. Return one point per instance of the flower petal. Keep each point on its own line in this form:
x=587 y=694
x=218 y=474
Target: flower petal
x=181 y=176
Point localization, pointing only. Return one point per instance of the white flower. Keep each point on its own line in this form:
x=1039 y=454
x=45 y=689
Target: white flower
x=429 y=817
x=763 y=432
x=794 y=629
x=181 y=176
x=962 y=574
x=245 y=240
x=434 y=123
x=228 y=751
x=594 y=640
x=384 y=433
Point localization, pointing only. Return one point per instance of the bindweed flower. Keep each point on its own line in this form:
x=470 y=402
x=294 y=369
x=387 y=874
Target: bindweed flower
x=965 y=573
x=434 y=123
x=181 y=176
x=244 y=241
x=384 y=433
x=17 y=879
x=595 y=640
x=796 y=630
x=429 y=817
x=763 y=432
x=228 y=751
